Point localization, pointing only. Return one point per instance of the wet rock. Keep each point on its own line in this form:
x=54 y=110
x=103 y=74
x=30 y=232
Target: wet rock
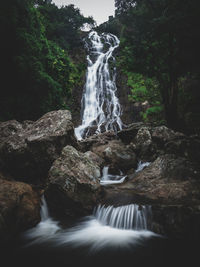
x=128 y=134
x=9 y=128
x=28 y=150
x=144 y=146
x=19 y=208
x=177 y=221
x=163 y=134
x=117 y=155
x=171 y=185
x=169 y=179
x=96 y=140
x=188 y=146
x=94 y=157
x=73 y=183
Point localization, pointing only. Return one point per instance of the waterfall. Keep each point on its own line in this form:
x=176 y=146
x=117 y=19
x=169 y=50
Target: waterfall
x=100 y=106
x=108 y=179
x=46 y=229
x=110 y=226
x=142 y=165
x=124 y=217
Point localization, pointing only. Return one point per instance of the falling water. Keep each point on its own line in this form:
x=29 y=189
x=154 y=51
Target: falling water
x=124 y=217
x=100 y=105
x=108 y=227
x=108 y=179
x=142 y=165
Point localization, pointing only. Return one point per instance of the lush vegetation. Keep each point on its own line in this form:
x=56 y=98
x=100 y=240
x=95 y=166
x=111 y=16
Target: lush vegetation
x=160 y=56
x=37 y=70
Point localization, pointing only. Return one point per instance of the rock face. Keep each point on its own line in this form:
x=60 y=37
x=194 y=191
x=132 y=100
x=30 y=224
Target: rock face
x=73 y=183
x=19 y=208
x=117 y=155
x=169 y=184
x=150 y=142
x=31 y=147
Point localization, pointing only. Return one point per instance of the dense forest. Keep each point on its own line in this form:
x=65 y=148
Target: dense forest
x=159 y=56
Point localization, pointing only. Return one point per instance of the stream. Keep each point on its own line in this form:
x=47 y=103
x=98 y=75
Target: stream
x=110 y=236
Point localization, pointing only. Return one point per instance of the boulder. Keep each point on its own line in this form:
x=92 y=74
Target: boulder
x=128 y=134
x=168 y=180
x=27 y=150
x=171 y=185
x=96 y=140
x=19 y=208
x=73 y=185
x=117 y=155
x=163 y=134
x=94 y=157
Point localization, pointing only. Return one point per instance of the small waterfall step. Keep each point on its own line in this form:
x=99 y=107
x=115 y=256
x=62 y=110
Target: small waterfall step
x=109 y=179
x=129 y=217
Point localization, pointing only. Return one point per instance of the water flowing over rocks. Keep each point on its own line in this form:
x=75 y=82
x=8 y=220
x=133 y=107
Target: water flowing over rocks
x=31 y=147
x=71 y=171
x=73 y=182
x=101 y=109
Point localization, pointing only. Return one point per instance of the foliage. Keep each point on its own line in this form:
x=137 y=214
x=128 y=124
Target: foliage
x=37 y=71
x=63 y=24
x=160 y=40
x=146 y=90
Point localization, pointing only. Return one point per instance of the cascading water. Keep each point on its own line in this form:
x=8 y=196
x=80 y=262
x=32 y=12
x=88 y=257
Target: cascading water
x=108 y=179
x=124 y=217
x=108 y=227
x=100 y=105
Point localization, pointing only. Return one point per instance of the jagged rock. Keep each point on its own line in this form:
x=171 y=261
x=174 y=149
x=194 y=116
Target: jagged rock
x=169 y=180
x=96 y=139
x=177 y=221
x=117 y=155
x=171 y=185
x=73 y=183
x=9 y=128
x=143 y=144
x=19 y=208
x=163 y=134
x=94 y=157
x=28 y=150
x=188 y=146
x=128 y=134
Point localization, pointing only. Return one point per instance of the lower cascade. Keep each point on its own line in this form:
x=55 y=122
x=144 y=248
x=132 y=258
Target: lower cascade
x=108 y=227
x=124 y=217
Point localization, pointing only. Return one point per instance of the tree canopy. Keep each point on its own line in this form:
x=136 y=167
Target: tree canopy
x=160 y=39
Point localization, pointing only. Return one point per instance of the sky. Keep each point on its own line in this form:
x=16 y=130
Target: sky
x=99 y=9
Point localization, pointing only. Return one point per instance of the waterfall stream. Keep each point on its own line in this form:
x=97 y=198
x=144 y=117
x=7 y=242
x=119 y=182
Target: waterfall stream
x=101 y=109
x=108 y=179
x=108 y=227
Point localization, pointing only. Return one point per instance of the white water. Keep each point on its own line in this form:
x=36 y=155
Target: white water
x=46 y=229
x=108 y=227
x=100 y=105
x=124 y=217
x=142 y=165
x=108 y=179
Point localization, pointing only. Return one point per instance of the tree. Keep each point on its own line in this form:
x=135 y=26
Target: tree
x=37 y=73
x=161 y=40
